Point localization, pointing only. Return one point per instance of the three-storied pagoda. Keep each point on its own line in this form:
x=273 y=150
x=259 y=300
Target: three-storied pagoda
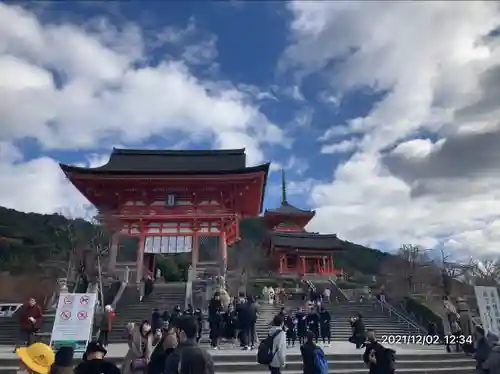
x=170 y=198
x=292 y=249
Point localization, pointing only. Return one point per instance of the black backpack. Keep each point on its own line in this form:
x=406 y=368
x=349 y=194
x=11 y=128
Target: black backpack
x=265 y=352
x=388 y=360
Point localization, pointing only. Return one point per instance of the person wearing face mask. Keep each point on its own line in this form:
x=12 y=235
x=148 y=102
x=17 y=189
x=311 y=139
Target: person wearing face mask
x=215 y=320
x=140 y=344
x=188 y=357
x=94 y=361
x=35 y=359
x=163 y=349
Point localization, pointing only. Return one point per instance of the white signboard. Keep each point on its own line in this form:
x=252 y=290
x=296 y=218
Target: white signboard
x=489 y=308
x=168 y=244
x=74 y=321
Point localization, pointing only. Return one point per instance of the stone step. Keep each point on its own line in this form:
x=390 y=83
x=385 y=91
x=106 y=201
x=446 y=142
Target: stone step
x=245 y=362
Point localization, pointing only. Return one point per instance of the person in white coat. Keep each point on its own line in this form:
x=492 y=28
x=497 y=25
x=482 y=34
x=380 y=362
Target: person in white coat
x=279 y=345
x=265 y=293
x=270 y=294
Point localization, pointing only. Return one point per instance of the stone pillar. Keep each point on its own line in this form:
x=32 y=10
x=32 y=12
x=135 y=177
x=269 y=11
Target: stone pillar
x=63 y=285
x=281 y=264
x=126 y=274
x=303 y=261
x=113 y=252
x=140 y=259
x=223 y=249
x=195 y=250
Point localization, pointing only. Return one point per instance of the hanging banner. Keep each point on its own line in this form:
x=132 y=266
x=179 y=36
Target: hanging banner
x=74 y=321
x=168 y=244
x=489 y=308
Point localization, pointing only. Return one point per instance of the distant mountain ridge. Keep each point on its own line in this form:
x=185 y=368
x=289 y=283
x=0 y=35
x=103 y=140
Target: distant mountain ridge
x=28 y=240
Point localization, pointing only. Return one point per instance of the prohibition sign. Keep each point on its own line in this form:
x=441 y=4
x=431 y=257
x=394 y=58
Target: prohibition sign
x=65 y=315
x=68 y=300
x=81 y=315
x=84 y=300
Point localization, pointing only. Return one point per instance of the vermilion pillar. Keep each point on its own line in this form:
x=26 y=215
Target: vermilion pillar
x=113 y=251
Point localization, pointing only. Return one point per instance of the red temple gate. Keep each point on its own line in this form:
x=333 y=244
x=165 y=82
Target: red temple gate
x=169 y=199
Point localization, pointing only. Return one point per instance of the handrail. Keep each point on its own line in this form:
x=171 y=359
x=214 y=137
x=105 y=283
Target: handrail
x=310 y=284
x=400 y=316
x=338 y=288
x=476 y=321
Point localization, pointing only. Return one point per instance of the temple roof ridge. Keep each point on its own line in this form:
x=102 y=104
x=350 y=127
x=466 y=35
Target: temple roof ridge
x=171 y=161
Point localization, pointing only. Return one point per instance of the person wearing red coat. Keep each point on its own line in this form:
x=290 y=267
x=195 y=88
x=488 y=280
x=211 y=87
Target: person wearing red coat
x=30 y=320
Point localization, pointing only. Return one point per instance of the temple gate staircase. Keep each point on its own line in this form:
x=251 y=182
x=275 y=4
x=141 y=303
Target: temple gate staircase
x=376 y=317
x=266 y=314
x=165 y=296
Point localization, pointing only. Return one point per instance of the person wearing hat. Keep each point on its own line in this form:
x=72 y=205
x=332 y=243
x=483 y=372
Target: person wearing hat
x=63 y=361
x=36 y=358
x=94 y=361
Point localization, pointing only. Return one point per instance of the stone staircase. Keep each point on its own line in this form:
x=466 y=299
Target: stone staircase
x=129 y=309
x=9 y=328
x=343 y=361
x=266 y=315
x=374 y=317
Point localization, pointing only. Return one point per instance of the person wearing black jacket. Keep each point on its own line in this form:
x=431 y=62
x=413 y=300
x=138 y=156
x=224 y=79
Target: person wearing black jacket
x=313 y=323
x=291 y=330
x=162 y=350
x=199 y=320
x=188 y=357
x=156 y=321
x=176 y=313
x=376 y=357
x=308 y=352
x=324 y=325
x=244 y=321
x=230 y=321
x=215 y=320
x=301 y=325
x=166 y=318
x=94 y=361
x=358 y=331
x=189 y=311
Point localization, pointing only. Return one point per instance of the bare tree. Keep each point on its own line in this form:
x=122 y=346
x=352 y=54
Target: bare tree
x=487 y=271
x=414 y=259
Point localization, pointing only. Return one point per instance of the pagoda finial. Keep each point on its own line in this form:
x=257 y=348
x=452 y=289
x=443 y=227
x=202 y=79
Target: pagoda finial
x=283 y=187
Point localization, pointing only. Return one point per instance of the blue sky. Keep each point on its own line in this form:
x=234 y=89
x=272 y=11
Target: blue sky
x=362 y=115
x=250 y=41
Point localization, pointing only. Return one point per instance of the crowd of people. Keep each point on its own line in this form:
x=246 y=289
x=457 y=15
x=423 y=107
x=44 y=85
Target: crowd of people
x=168 y=342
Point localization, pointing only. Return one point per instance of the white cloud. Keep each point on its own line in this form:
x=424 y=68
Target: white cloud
x=72 y=87
x=431 y=60
x=341 y=147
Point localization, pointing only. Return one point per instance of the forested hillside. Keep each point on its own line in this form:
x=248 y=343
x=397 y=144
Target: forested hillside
x=30 y=241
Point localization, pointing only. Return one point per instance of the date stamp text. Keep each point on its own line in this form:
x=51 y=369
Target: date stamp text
x=410 y=339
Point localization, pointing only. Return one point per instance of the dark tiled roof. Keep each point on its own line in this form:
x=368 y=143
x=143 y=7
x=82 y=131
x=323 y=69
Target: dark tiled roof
x=137 y=161
x=288 y=209
x=305 y=240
